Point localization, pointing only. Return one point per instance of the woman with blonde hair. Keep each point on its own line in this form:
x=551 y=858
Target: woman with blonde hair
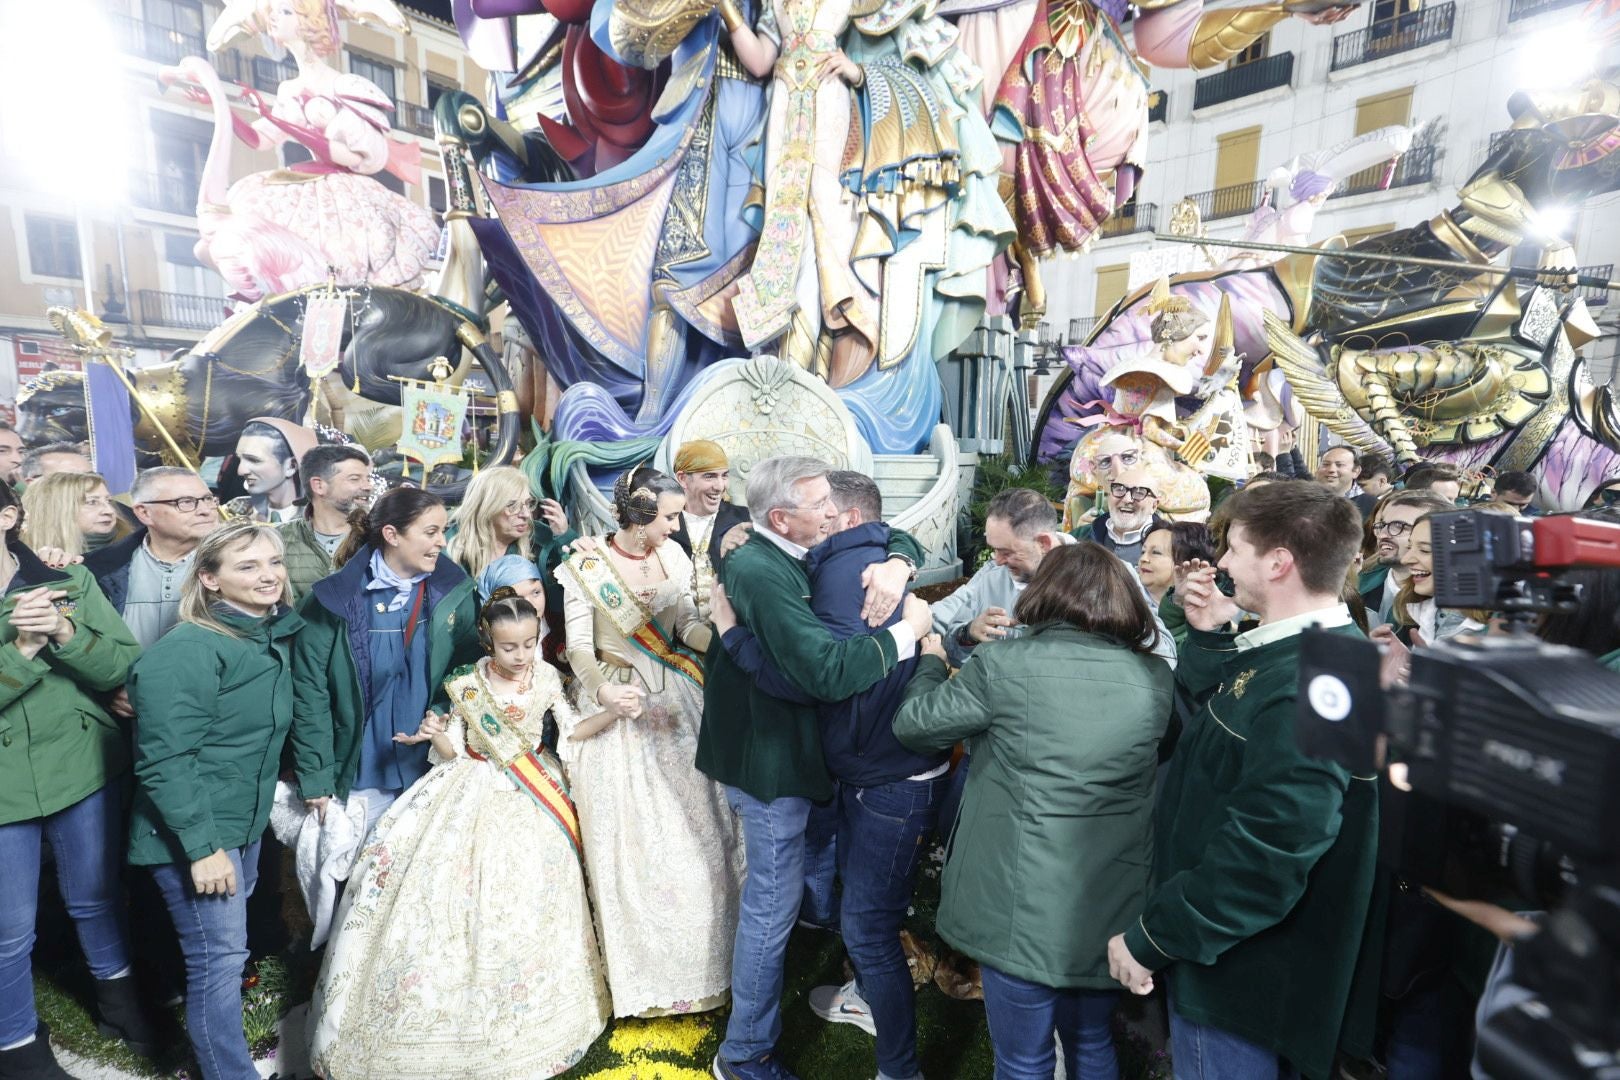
x=214 y=701
x=72 y=512
x=496 y=519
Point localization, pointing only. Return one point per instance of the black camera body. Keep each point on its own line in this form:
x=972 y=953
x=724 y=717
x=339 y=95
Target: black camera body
x=1513 y=750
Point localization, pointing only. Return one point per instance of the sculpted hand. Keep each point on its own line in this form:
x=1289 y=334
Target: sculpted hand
x=432 y=724
x=621 y=699
x=839 y=66
x=933 y=645
x=721 y=613
x=213 y=875
x=551 y=512
x=735 y=537
x=919 y=616
x=1123 y=967
x=885 y=583
x=1206 y=606
x=989 y=624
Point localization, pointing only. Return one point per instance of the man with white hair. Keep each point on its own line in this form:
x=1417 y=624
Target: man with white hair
x=767 y=751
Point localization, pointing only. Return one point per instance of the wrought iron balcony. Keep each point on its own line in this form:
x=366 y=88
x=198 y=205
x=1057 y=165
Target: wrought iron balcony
x=181 y=310
x=171 y=193
x=268 y=75
x=1080 y=329
x=159 y=43
x=1158 y=105
x=1594 y=296
x=413 y=118
x=1228 y=202
x=1524 y=9
x=1416 y=166
x=1132 y=218
x=1388 y=37
x=1267 y=73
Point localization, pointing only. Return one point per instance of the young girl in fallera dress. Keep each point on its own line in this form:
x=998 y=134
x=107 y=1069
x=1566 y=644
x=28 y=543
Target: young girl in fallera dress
x=464 y=945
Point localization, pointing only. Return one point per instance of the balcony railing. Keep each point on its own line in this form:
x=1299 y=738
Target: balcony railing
x=1135 y=218
x=1228 y=202
x=1416 y=166
x=1388 y=37
x=159 y=43
x=1079 y=329
x=1593 y=295
x=181 y=310
x=1267 y=73
x=413 y=118
x=1524 y=9
x=1158 y=105
x=176 y=194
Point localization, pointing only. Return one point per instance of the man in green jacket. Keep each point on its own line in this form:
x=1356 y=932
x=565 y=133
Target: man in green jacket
x=766 y=751
x=338 y=479
x=1264 y=858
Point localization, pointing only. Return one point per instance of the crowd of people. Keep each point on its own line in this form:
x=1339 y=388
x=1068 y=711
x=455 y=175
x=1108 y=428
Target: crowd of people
x=505 y=759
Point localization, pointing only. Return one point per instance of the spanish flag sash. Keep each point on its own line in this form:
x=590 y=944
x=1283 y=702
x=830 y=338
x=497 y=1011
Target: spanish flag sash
x=492 y=736
x=596 y=577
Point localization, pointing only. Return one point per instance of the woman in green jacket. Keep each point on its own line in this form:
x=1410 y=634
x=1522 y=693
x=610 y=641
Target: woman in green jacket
x=380 y=635
x=63 y=767
x=213 y=701
x=1050 y=855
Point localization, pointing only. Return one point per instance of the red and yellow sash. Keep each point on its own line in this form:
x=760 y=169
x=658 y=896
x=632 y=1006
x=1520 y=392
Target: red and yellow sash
x=596 y=577
x=494 y=737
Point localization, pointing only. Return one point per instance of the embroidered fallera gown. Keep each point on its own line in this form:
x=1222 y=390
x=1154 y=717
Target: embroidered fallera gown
x=662 y=850
x=464 y=945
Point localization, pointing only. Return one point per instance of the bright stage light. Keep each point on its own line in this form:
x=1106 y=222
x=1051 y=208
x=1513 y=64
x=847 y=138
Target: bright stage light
x=62 y=100
x=1554 y=58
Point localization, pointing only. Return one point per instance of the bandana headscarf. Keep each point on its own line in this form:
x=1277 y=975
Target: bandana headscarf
x=505 y=571
x=700 y=455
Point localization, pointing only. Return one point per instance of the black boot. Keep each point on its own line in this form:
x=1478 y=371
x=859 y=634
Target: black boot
x=34 y=1061
x=119 y=1015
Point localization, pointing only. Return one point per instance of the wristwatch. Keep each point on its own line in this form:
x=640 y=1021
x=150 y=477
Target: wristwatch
x=908 y=560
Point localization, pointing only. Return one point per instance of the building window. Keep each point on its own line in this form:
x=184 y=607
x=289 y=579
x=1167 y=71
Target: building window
x=186 y=273
x=438 y=197
x=378 y=71
x=1384 y=10
x=1112 y=282
x=53 y=246
x=181 y=150
x=435 y=87
x=171 y=29
x=1256 y=50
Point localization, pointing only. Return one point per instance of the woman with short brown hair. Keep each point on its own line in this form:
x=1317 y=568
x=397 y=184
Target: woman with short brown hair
x=1052 y=849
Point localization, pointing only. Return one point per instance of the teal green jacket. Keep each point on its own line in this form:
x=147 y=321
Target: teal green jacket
x=212 y=715
x=331 y=662
x=1264 y=861
x=58 y=744
x=1051 y=851
x=306 y=558
x=768 y=747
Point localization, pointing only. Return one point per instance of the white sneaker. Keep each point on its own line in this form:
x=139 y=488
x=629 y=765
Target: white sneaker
x=842 y=1005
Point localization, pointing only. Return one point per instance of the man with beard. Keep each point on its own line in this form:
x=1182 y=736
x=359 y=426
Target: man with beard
x=704 y=474
x=1133 y=505
x=267 y=454
x=339 y=480
x=1392 y=528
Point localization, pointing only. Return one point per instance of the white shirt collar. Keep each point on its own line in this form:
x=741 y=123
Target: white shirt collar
x=1126 y=538
x=1327 y=618
x=794 y=550
x=698 y=525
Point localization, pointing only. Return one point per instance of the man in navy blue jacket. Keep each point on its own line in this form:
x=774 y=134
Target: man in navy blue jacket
x=887 y=798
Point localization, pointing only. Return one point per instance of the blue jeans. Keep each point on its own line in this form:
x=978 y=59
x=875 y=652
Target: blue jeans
x=773 y=839
x=951 y=803
x=213 y=936
x=881 y=834
x=1203 y=1052
x=88 y=841
x=1023 y=1016
x=821 y=865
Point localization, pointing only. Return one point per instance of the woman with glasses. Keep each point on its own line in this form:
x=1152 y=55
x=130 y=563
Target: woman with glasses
x=214 y=701
x=64 y=767
x=660 y=844
x=72 y=512
x=1383 y=568
x=380 y=634
x=497 y=517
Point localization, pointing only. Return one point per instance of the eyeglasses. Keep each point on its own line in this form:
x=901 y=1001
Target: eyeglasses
x=1605 y=497
x=185 y=503
x=1119 y=491
x=519 y=506
x=817 y=507
x=1391 y=528
x=97 y=502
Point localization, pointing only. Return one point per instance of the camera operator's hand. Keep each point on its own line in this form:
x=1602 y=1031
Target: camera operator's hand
x=1395 y=659
x=1506 y=925
x=1206 y=606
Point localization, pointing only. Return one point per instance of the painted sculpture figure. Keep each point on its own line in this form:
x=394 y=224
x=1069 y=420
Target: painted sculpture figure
x=271 y=232
x=1450 y=364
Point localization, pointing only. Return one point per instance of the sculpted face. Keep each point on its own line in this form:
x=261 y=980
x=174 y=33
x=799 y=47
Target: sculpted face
x=258 y=464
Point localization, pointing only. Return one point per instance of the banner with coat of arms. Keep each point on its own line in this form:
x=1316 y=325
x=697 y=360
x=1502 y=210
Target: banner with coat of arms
x=433 y=416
